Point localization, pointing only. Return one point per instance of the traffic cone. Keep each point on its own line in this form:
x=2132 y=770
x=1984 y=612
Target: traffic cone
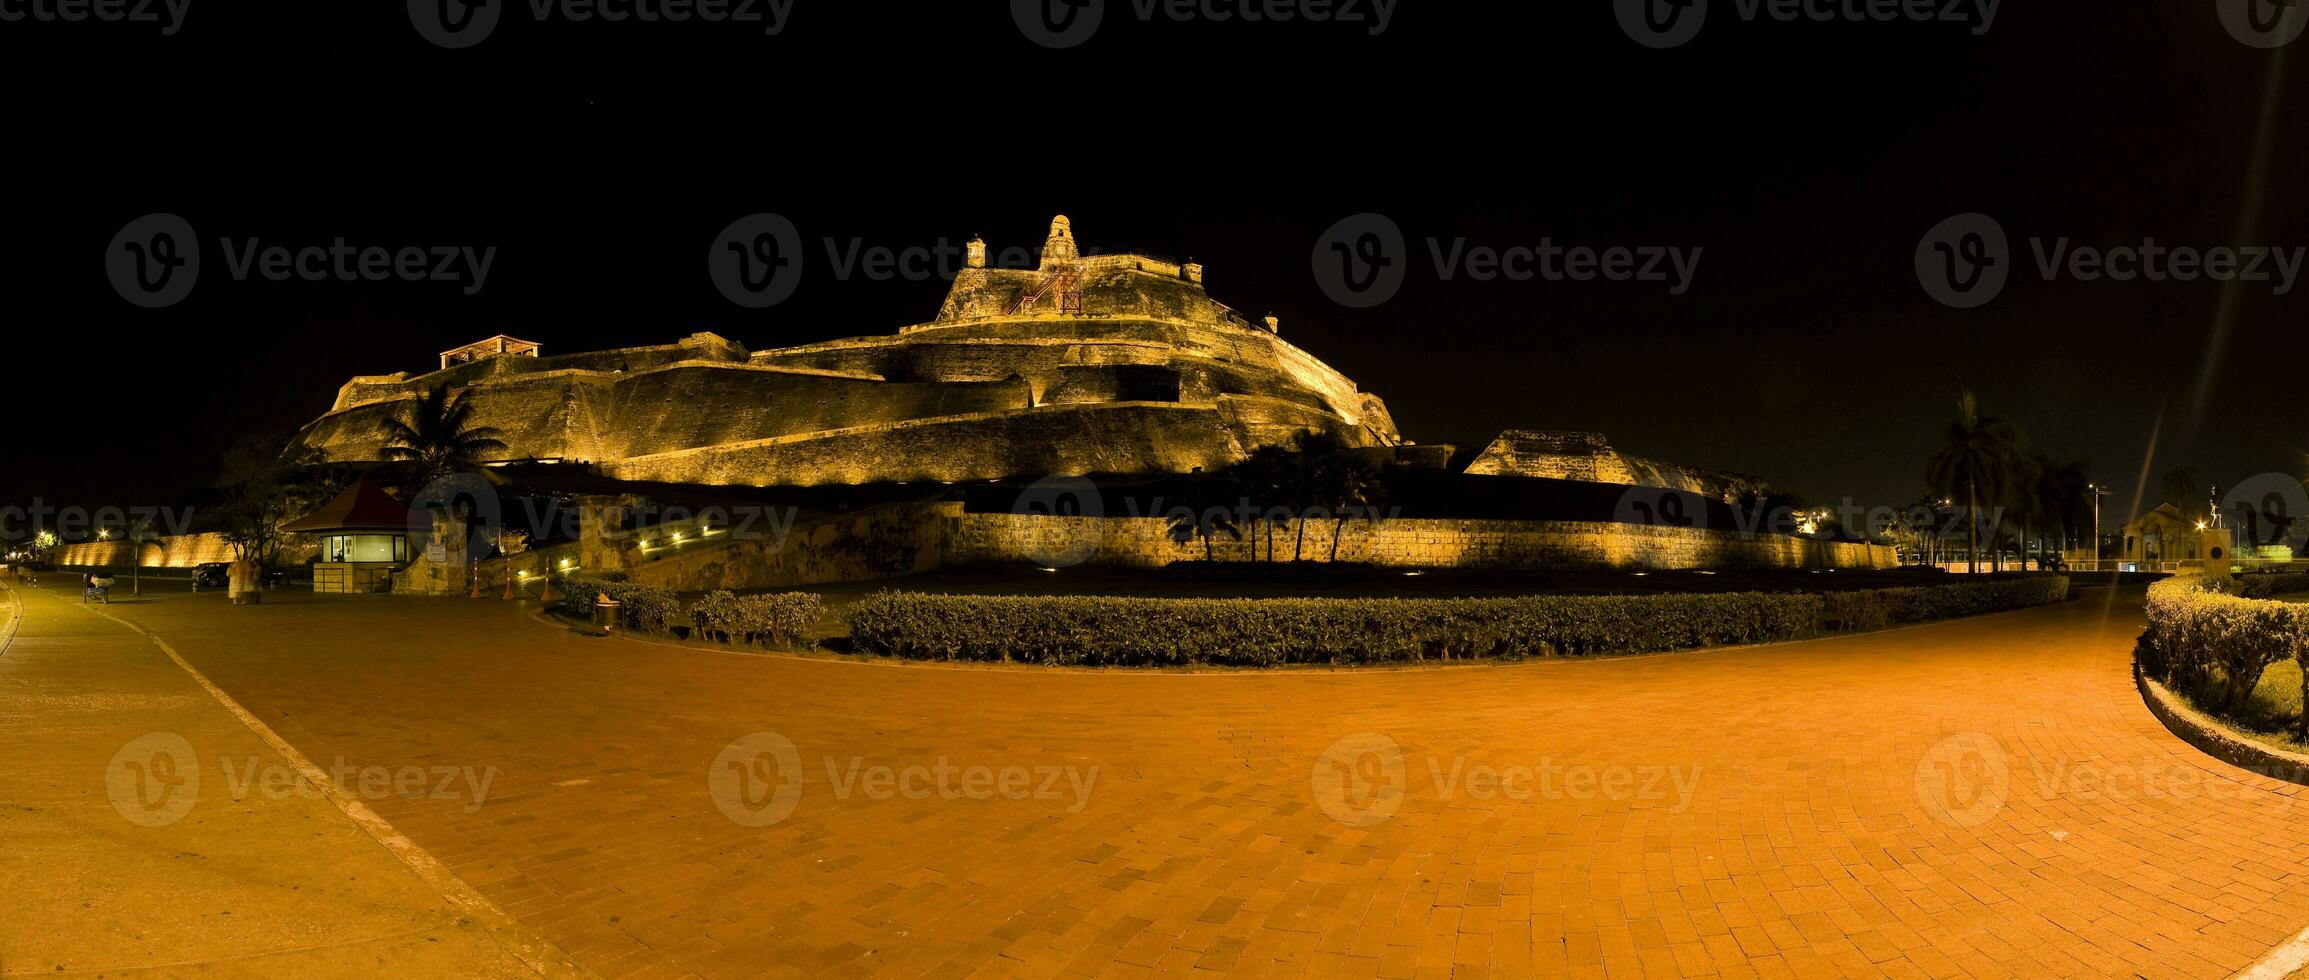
x=545 y=589
x=472 y=582
x=508 y=584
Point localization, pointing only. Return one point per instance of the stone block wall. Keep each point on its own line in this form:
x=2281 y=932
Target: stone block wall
x=1409 y=543
x=173 y=551
x=879 y=542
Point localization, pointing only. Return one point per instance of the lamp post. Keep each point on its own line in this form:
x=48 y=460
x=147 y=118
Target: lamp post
x=2098 y=492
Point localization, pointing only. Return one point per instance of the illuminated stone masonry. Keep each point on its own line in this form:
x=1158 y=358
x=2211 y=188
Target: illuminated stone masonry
x=1107 y=363
x=1117 y=364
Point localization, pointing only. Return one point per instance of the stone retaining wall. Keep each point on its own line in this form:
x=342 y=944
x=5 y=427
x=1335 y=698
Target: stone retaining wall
x=1408 y=543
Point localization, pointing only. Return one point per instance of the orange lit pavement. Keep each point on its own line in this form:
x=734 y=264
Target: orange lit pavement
x=1983 y=798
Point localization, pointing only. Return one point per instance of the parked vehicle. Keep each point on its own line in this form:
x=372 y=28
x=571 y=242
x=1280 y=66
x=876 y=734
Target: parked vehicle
x=213 y=574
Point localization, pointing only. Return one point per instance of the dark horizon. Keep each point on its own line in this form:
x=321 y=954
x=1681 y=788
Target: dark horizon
x=1804 y=350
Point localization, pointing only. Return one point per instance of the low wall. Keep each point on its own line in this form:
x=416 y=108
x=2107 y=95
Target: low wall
x=1408 y=543
x=879 y=542
x=173 y=551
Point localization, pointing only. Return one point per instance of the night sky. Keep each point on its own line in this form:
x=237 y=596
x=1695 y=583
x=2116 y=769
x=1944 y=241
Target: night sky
x=1806 y=159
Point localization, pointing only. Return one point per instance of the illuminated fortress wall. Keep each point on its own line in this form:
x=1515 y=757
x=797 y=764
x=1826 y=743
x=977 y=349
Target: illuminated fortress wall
x=1413 y=543
x=1115 y=364
x=1588 y=457
x=173 y=551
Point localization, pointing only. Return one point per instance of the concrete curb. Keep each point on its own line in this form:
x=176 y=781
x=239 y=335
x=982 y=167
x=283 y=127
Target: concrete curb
x=2214 y=739
x=2211 y=738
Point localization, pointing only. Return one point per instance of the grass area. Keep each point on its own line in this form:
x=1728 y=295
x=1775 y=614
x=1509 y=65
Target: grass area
x=2271 y=716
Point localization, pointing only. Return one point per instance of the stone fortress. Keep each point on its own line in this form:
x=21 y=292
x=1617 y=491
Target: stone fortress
x=1105 y=364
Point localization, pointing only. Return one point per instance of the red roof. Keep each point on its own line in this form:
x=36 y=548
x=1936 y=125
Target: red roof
x=364 y=506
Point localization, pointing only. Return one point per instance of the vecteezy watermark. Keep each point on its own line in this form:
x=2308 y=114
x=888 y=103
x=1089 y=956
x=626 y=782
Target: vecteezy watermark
x=2268 y=513
x=74 y=523
x=2263 y=23
x=169 y=14
x=469 y=504
x=154 y=261
x=1362 y=779
x=756 y=261
x=1070 y=541
x=155 y=779
x=1965 y=260
x=1968 y=779
x=756 y=781
x=1362 y=260
x=465 y=23
x=1066 y=23
x=1671 y=23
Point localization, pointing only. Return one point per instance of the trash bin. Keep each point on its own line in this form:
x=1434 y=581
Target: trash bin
x=604 y=613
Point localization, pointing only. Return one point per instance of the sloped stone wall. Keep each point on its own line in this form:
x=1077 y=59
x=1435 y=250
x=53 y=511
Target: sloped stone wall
x=1412 y=543
x=173 y=551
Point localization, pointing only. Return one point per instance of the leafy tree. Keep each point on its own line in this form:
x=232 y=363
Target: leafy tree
x=2181 y=490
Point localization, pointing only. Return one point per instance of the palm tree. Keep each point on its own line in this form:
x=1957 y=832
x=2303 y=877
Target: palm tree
x=1201 y=518
x=2181 y=489
x=1347 y=485
x=438 y=438
x=1976 y=461
x=1265 y=476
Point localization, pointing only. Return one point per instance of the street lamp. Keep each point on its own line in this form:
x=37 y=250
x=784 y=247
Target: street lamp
x=2098 y=492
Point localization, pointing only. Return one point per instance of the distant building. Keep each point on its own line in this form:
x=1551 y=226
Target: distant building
x=2166 y=535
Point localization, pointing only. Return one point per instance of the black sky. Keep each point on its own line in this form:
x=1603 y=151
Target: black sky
x=600 y=160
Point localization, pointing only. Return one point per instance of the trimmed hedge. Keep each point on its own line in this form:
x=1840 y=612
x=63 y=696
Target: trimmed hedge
x=1119 y=631
x=782 y=619
x=642 y=608
x=2207 y=628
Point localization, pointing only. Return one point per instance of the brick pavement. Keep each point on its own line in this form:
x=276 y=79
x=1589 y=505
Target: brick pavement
x=1982 y=798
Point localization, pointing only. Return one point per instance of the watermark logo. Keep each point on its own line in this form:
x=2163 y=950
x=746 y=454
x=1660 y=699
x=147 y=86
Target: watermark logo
x=1963 y=261
x=1360 y=260
x=1062 y=544
x=1671 y=23
x=1360 y=780
x=2263 y=23
x=1661 y=23
x=1660 y=507
x=1066 y=23
x=468 y=497
x=1057 y=23
x=1964 y=780
x=757 y=260
x=153 y=780
x=2268 y=510
x=465 y=23
x=756 y=781
x=169 y=14
x=454 y=23
x=153 y=261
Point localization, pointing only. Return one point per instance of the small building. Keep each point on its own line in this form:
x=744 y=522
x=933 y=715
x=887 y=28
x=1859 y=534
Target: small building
x=364 y=539
x=2165 y=535
x=498 y=346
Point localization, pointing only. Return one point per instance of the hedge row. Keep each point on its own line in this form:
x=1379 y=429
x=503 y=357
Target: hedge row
x=641 y=608
x=1117 y=631
x=2205 y=629
x=781 y=619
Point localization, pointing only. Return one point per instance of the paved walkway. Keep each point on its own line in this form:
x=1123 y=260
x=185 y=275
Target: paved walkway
x=1984 y=798
x=147 y=831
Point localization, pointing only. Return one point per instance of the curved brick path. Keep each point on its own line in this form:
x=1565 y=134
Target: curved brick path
x=1985 y=797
